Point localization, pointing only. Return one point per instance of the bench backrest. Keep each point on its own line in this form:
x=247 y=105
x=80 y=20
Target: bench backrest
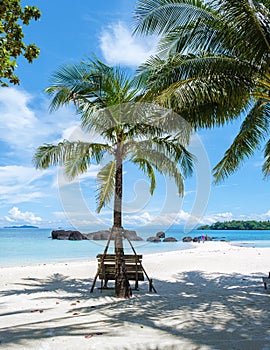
x=129 y=259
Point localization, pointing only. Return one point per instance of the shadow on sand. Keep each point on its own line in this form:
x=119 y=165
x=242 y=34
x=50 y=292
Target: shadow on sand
x=219 y=312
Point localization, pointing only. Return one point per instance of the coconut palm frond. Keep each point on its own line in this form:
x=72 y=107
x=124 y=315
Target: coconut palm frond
x=106 y=184
x=161 y=162
x=82 y=156
x=253 y=130
x=146 y=167
x=171 y=148
x=72 y=83
x=266 y=164
x=49 y=154
x=213 y=67
x=250 y=27
x=189 y=84
x=160 y=16
x=75 y=156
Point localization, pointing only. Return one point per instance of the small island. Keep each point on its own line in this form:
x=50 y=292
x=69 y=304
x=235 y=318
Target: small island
x=237 y=225
x=22 y=226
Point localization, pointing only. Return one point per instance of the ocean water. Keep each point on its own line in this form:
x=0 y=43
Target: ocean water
x=35 y=246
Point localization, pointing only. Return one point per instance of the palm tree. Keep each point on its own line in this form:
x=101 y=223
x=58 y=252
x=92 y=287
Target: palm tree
x=105 y=98
x=212 y=67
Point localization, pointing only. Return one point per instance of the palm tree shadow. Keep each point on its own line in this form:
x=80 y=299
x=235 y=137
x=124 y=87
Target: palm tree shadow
x=54 y=283
x=220 y=311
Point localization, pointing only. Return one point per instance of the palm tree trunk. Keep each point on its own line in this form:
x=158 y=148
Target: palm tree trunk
x=122 y=286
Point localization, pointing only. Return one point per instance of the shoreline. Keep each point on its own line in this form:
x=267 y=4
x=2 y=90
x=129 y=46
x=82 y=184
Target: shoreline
x=251 y=244
x=209 y=297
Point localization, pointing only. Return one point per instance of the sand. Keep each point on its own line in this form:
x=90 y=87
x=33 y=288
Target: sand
x=208 y=297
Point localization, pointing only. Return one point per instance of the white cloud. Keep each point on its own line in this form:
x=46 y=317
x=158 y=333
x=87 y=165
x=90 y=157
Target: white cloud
x=15 y=215
x=163 y=219
x=228 y=216
x=210 y=219
x=17 y=174
x=19 y=184
x=266 y=216
x=118 y=46
x=23 y=128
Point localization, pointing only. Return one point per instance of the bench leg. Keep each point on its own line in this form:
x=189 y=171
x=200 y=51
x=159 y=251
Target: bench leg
x=265 y=286
x=136 y=285
x=150 y=285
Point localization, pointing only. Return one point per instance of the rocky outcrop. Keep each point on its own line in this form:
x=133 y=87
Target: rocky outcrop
x=153 y=239
x=101 y=235
x=170 y=239
x=187 y=239
x=69 y=234
x=76 y=236
x=104 y=235
x=160 y=235
x=97 y=236
x=132 y=235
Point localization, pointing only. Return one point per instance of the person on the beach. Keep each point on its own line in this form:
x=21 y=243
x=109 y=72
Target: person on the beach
x=203 y=238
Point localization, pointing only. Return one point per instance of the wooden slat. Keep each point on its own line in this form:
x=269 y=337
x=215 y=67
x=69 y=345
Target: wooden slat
x=129 y=268
x=111 y=257
x=130 y=275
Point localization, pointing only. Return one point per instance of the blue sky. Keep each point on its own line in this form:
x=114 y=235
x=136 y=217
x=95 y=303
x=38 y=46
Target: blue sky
x=67 y=33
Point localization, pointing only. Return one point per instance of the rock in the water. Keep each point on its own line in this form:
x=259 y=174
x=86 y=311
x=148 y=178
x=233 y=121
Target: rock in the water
x=76 y=236
x=98 y=235
x=132 y=235
x=187 y=239
x=101 y=235
x=104 y=235
x=153 y=239
x=170 y=239
x=160 y=235
x=67 y=234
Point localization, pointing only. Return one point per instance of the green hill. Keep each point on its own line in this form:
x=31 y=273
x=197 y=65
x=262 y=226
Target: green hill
x=237 y=225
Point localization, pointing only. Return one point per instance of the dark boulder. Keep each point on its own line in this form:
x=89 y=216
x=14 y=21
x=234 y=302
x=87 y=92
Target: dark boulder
x=153 y=239
x=160 y=235
x=67 y=234
x=60 y=234
x=132 y=235
x=170 y=239
x=187 y=239
x=105 y=234
x=76 y=236
x=101 y=235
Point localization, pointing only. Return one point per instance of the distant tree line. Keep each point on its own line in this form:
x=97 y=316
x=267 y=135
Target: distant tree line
x=237 y=225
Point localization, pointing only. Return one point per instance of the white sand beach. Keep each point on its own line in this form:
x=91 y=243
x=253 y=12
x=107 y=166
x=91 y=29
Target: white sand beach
x=209 y=297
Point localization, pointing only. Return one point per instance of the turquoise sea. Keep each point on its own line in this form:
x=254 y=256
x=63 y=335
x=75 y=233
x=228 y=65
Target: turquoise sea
x=35 y=246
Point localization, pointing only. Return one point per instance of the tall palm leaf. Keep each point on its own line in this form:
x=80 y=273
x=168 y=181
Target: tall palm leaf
x=212 y=67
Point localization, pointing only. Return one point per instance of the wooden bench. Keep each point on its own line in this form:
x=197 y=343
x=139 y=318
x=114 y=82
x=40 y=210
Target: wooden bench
x=134 y=269
x=266 y=280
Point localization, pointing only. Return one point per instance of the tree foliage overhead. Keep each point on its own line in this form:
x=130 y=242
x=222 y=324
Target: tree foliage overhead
x=212 y=67
x=106 y=99
x=13 y=16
